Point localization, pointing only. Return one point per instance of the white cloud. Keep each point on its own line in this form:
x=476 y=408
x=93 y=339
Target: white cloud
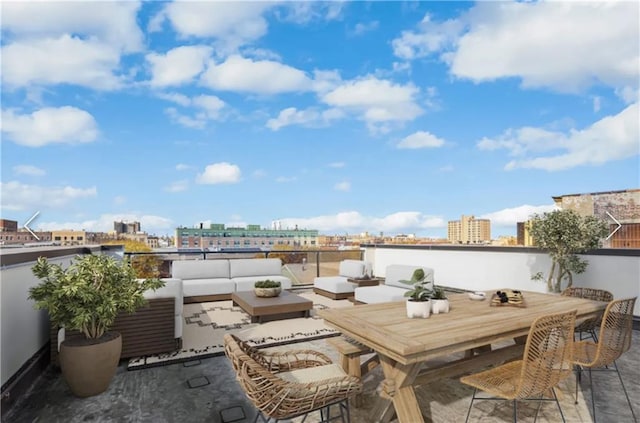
x=354 y=222
x=510 y=216
x=307 y=11
x=62 y=60
x=177 y=186
x=28 y=170
x=342 y=186
x=611 y=138
x=181 y=166
x=232 y=24
x=421 y=139
x=563 y=45
x=337 y=165
x=376 y=101
x=113 y=22
x=19 y=196
x=207 y=107
x=430 y=37
x=219 y=173
x=255 y=76
x=178 y=66
x=362 y=28
x=150 y=224
x=64 y=125
x=310 y=118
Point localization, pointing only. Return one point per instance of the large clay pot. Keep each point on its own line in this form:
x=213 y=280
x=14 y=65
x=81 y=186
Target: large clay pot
x=88 y=365
x=418 y=308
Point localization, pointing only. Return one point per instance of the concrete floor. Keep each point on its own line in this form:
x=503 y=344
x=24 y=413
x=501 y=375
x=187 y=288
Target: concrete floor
x=206 y=391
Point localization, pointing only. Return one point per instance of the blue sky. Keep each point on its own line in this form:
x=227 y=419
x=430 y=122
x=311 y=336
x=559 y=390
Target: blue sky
x=345 y=117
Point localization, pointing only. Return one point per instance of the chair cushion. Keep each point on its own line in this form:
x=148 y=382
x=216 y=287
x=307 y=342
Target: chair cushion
x=335 y=284
x=172 y=288
x=351 y=268
x=313 y=374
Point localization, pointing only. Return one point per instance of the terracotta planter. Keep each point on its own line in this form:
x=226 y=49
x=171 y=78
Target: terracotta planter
x=267 y=292
x=418 y=308
x=88 y=365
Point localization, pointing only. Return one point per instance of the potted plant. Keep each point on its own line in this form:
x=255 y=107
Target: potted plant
x=86 y=297
x=418 y=302
x=563 y=234
x=439 y=301
x=267 y=288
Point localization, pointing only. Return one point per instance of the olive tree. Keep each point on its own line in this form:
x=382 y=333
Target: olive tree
x=563 y=234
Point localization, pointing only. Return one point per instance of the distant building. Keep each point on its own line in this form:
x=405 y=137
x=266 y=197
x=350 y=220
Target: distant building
x=524 y=234
x=126 y=227
x=219 y=237
x=469 y=230
x=69 y=237
x=623 y=206
x=10 y=234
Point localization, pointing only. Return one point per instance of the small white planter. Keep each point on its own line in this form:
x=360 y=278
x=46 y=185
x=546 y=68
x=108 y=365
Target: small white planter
x=420 y=309
x=439 y=306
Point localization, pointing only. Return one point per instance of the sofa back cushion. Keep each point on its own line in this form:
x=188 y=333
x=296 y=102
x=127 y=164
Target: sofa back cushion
x=397 y=272
x=200 y=269
x=351 y=268
x=255 y=267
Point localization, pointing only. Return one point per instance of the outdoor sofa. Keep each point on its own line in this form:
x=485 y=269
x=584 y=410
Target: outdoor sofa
x=213 y=280
x=338 y=287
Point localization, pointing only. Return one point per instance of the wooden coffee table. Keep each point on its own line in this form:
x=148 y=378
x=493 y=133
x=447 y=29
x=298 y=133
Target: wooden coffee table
x=365 y=282
x=284 y=306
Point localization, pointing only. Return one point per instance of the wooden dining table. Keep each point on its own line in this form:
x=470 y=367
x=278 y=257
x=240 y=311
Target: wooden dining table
x=404 y=344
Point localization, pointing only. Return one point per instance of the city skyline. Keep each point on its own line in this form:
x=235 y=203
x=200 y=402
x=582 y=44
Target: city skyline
x=345 y=117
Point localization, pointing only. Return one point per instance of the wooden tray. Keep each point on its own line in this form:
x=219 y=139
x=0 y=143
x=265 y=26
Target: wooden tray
x=495 y=299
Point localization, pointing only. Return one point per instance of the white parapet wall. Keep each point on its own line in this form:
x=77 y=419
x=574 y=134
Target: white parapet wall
x=488 y=268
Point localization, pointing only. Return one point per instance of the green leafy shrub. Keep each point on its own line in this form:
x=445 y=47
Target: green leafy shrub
x=438 y=293
x=563 y=234
x=419 y=292
x=88 y=295
x=267 y=284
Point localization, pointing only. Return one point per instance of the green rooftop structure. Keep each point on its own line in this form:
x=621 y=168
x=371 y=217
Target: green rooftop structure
x=219 y=237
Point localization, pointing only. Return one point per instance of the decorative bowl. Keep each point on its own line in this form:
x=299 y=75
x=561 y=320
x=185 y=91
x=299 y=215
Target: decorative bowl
x=267 y=292
x=477 y=296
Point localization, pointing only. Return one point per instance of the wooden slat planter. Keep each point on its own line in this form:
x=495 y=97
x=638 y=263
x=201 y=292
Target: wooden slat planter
x=150 y=330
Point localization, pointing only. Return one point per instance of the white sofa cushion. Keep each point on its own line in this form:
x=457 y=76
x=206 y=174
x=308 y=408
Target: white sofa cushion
x=393 y=289
x=352 y=268
x=211 y=286
x=200 y=269
x=254 y=267
x=247 y=283
x=379 y=294
x=396 y=272
x=335 y=284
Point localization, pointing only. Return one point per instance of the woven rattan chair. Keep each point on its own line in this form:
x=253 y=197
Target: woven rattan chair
x=287 y=384
x=615 y=339
x=546 y=361
x=589 y=326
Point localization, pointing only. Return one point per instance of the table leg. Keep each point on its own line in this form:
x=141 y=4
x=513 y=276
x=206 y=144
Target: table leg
x=397 y=389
